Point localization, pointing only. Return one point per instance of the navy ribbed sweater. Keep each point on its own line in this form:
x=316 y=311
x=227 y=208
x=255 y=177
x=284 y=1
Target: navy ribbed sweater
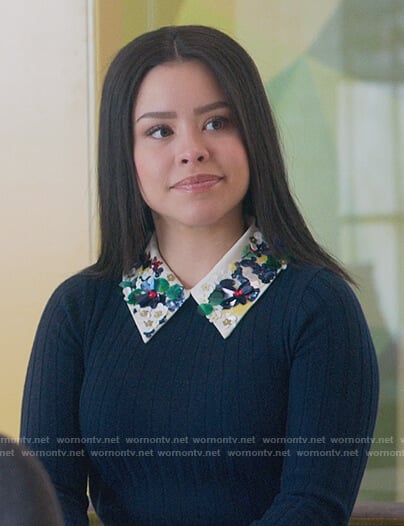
x=298 y=371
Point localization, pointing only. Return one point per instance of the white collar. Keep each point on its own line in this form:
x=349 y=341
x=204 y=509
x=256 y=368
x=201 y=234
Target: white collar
x=154 y=294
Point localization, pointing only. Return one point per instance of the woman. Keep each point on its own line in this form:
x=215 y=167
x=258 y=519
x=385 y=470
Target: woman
x=206 y=386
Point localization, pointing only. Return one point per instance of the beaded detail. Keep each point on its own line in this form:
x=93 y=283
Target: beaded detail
x=154 y=294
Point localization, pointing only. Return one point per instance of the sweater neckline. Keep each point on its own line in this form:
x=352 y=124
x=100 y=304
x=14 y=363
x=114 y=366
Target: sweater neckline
x=154 y=294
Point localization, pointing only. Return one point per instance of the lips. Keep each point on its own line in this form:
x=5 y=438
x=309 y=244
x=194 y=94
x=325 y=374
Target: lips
x=198 y=182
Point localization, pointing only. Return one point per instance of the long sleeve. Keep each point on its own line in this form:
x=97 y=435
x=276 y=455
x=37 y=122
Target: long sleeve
x=300 y=365
x=50 y=411
x=333 y=391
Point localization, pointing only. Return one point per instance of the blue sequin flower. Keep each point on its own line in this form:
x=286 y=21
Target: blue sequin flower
x=153 y=293
x=239 y=290
x=148 y=289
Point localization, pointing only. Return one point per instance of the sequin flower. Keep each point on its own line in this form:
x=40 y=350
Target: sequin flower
x=239 y=290
x=153 y=293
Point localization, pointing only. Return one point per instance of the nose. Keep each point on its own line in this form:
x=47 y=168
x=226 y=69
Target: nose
x=193 y=150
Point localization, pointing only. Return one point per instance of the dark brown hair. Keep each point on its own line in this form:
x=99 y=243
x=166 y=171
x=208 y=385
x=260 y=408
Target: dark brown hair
x=125 y=220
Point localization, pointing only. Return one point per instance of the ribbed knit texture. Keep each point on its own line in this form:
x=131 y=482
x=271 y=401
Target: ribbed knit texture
x=300 y=364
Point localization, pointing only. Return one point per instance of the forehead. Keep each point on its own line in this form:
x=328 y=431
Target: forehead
x=179 y=83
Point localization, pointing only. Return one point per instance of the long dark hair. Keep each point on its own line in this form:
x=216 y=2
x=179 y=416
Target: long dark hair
x=125 y=220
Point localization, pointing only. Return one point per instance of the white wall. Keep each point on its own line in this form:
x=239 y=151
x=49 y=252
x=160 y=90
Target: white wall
x=45 y=199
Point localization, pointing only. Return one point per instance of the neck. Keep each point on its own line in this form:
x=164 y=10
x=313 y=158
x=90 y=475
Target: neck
x=192 y=252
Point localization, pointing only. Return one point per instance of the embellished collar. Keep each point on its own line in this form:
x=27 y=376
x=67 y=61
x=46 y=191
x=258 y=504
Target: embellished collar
x=154 y=294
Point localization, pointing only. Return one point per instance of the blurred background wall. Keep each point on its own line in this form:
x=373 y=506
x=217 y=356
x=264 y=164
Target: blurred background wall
x=44 y=172
x=334 y=73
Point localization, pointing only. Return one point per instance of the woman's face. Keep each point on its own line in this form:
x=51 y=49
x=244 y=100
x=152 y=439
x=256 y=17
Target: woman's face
x=191 y=164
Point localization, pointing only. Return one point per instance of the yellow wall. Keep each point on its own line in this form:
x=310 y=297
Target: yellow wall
x=44 y=173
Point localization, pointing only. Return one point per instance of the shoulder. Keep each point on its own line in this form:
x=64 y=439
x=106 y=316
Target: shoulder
x=316 y=285
x=303 y=291
x=323 y=306
x=83 y=287
x=306 y=296
x=77 y=298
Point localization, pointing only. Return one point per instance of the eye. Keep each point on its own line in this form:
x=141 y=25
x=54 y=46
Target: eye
x=159 y=132
x=216 y=123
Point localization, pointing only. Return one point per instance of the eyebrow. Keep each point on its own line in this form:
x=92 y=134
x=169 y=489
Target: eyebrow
x=200 y=110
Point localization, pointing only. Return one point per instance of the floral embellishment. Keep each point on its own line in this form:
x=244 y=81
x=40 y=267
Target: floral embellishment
x=228 y=294
x=155 y=265
x=256 y=240
x=229 y=321
x=242 y=288
x=152 y=318
x=153 y=293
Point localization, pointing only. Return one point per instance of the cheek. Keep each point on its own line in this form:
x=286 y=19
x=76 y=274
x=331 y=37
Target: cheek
x=148 y=176
x=148 y=165
x=139 y=164
x=236 y=153
x=143 y=167
x=243 y=155
x=241 y=164
x=141 y=176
